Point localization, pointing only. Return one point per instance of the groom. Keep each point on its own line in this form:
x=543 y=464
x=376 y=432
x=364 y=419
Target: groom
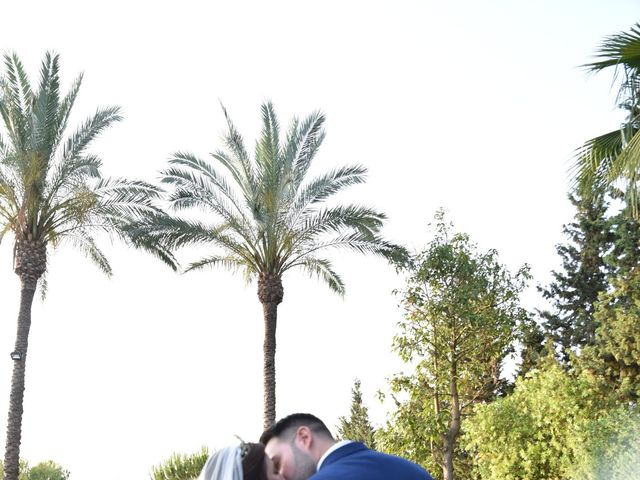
x=301 y=447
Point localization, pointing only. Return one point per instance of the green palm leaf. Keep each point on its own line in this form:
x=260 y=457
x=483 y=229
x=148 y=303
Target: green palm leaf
x=615 y=156
x=621 y=50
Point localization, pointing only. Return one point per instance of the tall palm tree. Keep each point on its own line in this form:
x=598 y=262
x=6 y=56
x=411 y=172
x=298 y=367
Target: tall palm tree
x=615 y=156
x=51 y=192
x=267 y=217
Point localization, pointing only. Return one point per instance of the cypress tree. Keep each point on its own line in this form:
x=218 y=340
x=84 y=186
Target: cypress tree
x=575 y=288
x=357 y=427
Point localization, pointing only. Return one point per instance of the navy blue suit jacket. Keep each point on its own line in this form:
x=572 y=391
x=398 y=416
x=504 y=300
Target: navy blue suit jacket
x=354 y=461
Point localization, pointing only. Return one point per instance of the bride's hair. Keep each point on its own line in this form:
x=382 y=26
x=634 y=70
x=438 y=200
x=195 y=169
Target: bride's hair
x=253 y=465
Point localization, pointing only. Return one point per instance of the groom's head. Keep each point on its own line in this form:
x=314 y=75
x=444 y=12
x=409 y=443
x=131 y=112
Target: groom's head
x=296 y=443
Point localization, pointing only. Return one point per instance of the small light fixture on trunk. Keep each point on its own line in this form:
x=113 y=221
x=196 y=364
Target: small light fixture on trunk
x=16 y=355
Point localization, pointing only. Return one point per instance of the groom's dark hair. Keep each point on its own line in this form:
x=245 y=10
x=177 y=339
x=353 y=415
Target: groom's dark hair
x=286 y=427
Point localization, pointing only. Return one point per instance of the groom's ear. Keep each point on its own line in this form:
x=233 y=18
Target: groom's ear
x=304 y=437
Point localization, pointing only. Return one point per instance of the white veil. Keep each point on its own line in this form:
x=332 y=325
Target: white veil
x=225 y=464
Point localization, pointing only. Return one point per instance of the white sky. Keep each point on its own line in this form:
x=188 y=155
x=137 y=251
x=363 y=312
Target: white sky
x=471 y=106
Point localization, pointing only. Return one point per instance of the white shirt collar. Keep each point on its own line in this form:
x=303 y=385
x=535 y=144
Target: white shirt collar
x=333 y=448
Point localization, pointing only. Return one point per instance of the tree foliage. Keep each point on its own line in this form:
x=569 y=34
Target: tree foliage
x=575 y=288
x=615 y=356
x=461 y=316
x=51 y=189
x=47 y=470
x=608 y=447
x=533 y=346
x=181 y=466
x=357 y=426
x=265 y=215
x=532 y=432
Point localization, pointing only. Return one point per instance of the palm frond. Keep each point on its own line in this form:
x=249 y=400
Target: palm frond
x=5 y=227
x=238 y=163
x=125 y=199
x=291 y=145
x=618 y=50
x=44 y=112
x=202 y=176
x=323 y=187
x=172 y=233
x=64 y=111
x=247 y=186
x=83 y=241
x=268 y=150
x=185 y=198
x=305 y=146
x=268 y=146
x=613 y=157
x=88 y=131
x=107 y=206
x=4 y=149
x=356 y=241
x=198 y=186
x=228 y=262
x=69 y=174
x=593 y=164
x=22 y=80
x=9 y=193
x=16 y=101
x=136 y=233
x=335 y=219
x=628 y=163
x=322 y=269
x=68 y=192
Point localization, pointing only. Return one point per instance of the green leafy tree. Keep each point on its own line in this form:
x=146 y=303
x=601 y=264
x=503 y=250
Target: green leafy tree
x=181 y=466
x=266 y=216
x=614 y=156
x=461 y=313
x=48 y=470
x=532 y=346
x=531 y=433
x=615 y=356
x=575 y=288
x=51 y=192
x=607 y=447
x=357 y=427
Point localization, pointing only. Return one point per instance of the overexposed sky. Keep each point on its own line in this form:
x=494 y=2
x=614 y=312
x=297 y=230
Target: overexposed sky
x=471 y=106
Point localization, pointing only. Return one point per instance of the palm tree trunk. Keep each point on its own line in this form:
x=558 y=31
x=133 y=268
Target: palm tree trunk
x=270 y=293
x=14 y=422
x=270 y=311
x=30 y=262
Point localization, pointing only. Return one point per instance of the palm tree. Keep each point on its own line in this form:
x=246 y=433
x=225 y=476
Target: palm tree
x=615 y=156
x=51 y=192
x=267 y=217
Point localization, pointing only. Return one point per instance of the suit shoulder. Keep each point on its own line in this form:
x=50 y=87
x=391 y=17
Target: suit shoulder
x=372 y=465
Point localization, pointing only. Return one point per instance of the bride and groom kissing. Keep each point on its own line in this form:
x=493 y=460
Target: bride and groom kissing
x=301 y=447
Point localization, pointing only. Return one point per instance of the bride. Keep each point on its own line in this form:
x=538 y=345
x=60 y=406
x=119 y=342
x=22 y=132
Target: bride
x=246 y=461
